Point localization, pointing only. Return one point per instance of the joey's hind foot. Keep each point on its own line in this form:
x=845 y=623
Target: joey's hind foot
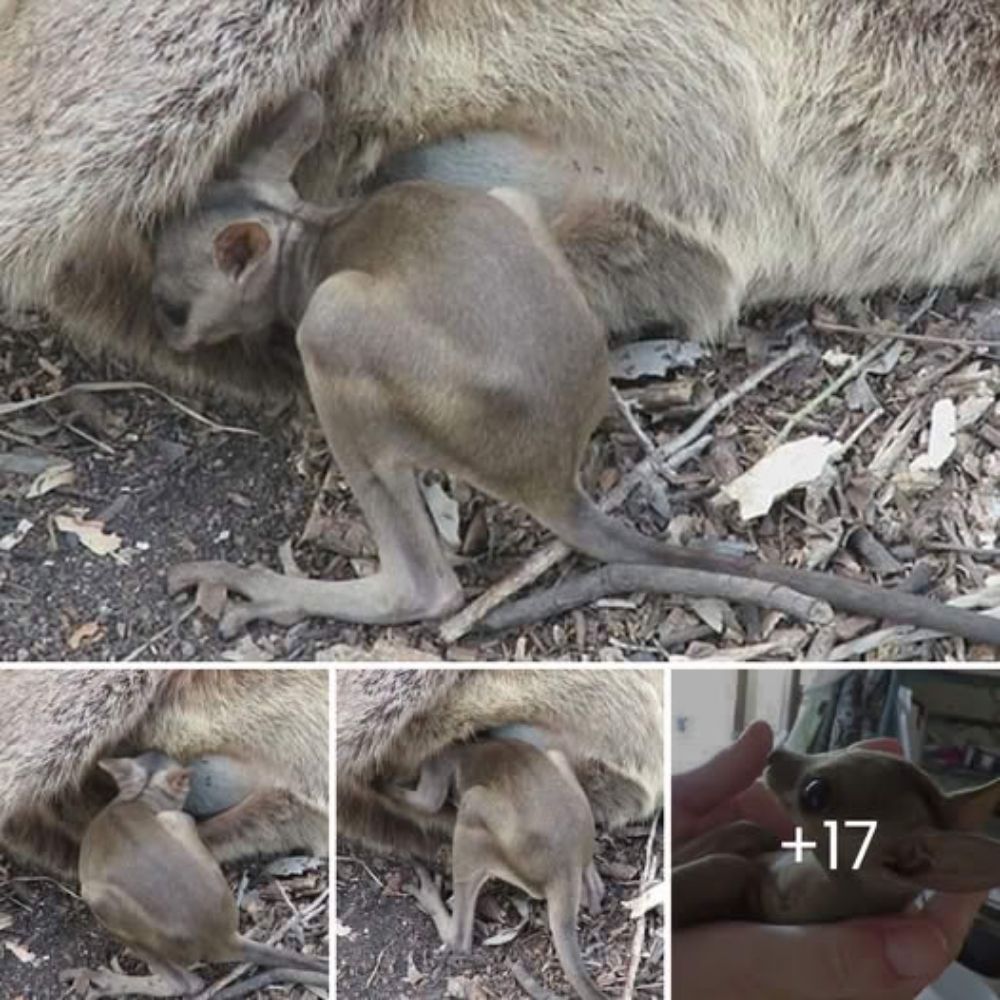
x=427 y=893
x=428 y=889
x=105 y=983
x=266 y=593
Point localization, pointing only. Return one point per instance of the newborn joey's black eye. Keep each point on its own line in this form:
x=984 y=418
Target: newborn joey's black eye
x=815 y=795
x=175 y=313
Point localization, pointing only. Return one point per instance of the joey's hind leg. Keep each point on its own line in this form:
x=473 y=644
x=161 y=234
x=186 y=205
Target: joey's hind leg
x=427 y=892
x=414 y=580
x=455 y=928
x=340 y=340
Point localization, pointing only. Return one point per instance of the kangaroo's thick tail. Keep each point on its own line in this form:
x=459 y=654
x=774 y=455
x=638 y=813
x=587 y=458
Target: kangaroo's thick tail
x=264 y=954
x=584 y=526
x=563 y=901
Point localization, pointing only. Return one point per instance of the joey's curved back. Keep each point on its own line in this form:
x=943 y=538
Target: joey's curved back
x=609 y=723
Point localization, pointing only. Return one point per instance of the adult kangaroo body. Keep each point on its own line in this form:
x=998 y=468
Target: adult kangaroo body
x=694 y=155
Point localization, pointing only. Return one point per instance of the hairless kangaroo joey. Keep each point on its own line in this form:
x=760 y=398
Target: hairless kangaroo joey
x=923 y=839
x=520 y=816
x=149 y=879
x=439 y=327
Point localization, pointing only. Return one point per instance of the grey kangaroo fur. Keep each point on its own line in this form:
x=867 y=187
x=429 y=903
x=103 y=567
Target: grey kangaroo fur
x=608 y=723
x=698 y=154
x=520 y=815
x=262 y=737
x=149 y=879
x=925 y=839
x=438 y=327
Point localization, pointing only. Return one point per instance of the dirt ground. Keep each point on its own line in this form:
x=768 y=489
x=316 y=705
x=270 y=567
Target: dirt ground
x=388 y=949
x=128 y=483
x=46 y=929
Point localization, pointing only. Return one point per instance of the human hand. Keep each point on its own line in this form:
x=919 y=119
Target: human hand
x=875 y=958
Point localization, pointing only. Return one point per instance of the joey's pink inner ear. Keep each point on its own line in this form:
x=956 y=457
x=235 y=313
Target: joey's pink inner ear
x=179 y=780
x=237 y=246
x=944 y=860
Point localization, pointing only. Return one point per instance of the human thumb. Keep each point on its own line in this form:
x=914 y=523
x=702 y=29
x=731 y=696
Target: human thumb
x=854 y=958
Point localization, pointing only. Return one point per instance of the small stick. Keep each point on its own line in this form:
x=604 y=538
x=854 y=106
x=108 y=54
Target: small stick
x=162 y=633
x=625 y=409
x=913 y=338
x=849 y=373
x=832 y=387
x=635 y=952
x=619 y=578
x=552 y=554
x=274 y=977
x=529 y=984
x=8 y=408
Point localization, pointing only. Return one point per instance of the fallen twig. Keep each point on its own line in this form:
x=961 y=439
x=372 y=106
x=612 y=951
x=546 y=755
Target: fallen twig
x=620 y=578
x=553 y=553
x=649 y=873
x=913 y=338
x=6 y=409
x=852 y=371
x=162 y=633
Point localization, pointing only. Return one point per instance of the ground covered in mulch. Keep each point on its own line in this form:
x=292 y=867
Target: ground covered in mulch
x=388 y=949
x=101 y=492
x=46 y=929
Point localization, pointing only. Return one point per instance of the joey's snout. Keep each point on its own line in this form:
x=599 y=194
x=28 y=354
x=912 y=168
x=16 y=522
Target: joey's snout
x=782 y=774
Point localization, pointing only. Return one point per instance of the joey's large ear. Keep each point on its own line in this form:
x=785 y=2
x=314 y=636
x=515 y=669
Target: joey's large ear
x=969 y=810
x=238 y=246
x=277 y=145
x=944 y=860
x=129 y=776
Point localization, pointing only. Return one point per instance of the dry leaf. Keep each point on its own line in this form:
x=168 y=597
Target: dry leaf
x=58 y=474
x=788 y=467
x=15 y=537
x=91 y=534
x=413 y=975
x=654 y=358
x=444 y=510
x=20 y=953
x=941 y=440
x=80 y=635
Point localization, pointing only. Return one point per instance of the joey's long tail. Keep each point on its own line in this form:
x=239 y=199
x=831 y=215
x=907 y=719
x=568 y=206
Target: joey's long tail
x=264 y=954
x=563 y=902
x=586 y=527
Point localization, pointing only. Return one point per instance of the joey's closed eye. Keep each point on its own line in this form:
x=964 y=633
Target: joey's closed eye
x=175 y=313
x=815 y=795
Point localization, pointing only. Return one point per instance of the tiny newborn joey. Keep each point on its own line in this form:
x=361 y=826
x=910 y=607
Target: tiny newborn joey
x=924 y=839
x=521 y=816
x=438 y=327
x=149 y=879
